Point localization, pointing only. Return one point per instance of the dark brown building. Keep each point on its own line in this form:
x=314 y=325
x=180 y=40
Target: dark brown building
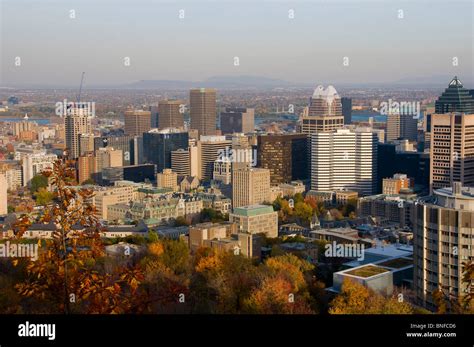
x=237 y=120
x=169 y=114
x=203 y=110
x=285 y=155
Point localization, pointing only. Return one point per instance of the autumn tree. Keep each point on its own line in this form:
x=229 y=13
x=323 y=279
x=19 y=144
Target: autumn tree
x=354 y=298
x=304 y=212
x=447 y=303
x=167 y=267
x=221 y=282
x=68 y=277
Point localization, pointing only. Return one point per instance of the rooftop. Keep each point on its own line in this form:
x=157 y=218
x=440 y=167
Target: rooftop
x=367 y=271
x=253 y=210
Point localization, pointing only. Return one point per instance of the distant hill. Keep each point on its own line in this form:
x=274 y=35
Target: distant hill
x=220 y=82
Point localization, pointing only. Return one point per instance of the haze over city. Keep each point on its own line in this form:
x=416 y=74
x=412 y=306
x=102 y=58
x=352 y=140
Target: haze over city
x=310 y=46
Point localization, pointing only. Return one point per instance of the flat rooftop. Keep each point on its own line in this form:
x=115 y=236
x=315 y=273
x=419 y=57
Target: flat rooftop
x=253 y=210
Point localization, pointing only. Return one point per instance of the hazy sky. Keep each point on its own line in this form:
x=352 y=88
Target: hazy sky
x=55 y=49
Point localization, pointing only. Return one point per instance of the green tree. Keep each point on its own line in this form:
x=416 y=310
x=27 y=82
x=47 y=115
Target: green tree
x=88 y=181
x=153 y=236
x=37 y=182
x=180 y=221
x=43 y=197
x=211 y=215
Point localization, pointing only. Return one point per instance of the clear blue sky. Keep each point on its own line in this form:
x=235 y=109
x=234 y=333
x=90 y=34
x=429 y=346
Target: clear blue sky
x=54 y=49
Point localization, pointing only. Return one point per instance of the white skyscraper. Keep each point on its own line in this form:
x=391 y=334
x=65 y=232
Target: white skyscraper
x=344 y=159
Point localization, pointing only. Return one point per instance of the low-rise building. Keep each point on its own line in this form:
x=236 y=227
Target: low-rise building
x=395 y=184
x=256 y=219
x=292 y=188
x=344 y=196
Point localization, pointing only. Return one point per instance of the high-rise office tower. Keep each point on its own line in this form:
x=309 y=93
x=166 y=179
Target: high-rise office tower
x=451 y=150
x=250 y=186
x=137 y=122
x=443 y=232
x=347 y=110
x=86 y=167
x=344 y=160
x=185 y=162
x=402 y=126
x=237 y=120
x=203 y=110
x=108 y=157
x=76 y=124
x=324 y=112
x=86 y=143
x=285 y=155
x=154 y=116
x=158 y=145
x=455 y=98
x=170 y=114
x=129 y=145
x=209 y=149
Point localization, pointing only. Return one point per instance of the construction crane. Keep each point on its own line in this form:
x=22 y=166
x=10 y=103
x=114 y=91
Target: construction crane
x=80 y=88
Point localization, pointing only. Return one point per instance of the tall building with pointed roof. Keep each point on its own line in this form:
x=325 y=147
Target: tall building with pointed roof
x=455 y=98
x=324 y=112
x=451 y=134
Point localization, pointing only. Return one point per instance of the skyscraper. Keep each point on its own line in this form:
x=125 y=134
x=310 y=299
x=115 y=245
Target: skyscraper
x=169 y=114
x=203 y=110
x=285 y=155
x=324 y=111
x=344 y=160
x=86 y=167
x=250 y=186
x=108 y=157
x=347 y=110
x=402 y=126
x=185 y=162
x=137 y=122
x=209 y=149
x=451 y=150
x=158 y=145
x=237 y=120
x=455 y=98
x=76 y=124
x=129 y=146
x=86 y=143
x=443 y=233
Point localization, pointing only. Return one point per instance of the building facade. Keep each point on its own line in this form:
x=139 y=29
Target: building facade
x=285 y=155
x=443 y=236
x=344 y=160
x=203 y=111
